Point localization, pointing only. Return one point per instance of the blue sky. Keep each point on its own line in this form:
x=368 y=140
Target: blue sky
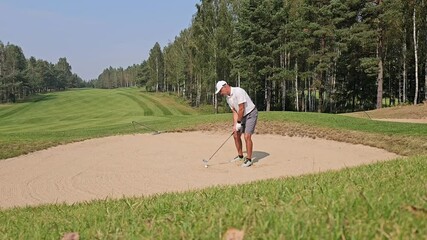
x=93 y=34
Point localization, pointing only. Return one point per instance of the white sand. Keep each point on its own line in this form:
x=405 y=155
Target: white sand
x=141 y=165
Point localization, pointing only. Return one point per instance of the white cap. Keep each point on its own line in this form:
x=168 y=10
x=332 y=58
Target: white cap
x=219 y=85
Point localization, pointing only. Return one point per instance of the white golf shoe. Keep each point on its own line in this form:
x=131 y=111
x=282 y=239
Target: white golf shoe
x=247 y=163
x=237 y=158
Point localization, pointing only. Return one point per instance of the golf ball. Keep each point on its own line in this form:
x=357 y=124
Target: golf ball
x=206 y=166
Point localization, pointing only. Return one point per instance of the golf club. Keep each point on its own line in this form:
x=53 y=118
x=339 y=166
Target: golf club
x=155 y=132
x=206 y=161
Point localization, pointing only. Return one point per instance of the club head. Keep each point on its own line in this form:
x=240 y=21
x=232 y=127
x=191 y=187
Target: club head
x=205 y=161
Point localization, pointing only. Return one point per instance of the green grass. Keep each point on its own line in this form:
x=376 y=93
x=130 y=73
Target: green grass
x=82 y=109
x=380 y=201
x=350 y=123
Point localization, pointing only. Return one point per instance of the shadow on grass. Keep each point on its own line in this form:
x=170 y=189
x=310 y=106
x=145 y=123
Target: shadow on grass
x=38 y=98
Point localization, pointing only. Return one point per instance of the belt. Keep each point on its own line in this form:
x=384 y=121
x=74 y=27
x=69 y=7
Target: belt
x=250 y=112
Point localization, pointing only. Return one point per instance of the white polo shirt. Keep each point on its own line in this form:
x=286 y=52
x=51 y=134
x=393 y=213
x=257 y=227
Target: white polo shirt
x=238 y=96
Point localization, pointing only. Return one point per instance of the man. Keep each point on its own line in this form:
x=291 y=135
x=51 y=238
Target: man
x=245 y=117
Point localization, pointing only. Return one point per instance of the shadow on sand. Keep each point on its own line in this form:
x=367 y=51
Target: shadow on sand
x=259 y=155
x=256 y=157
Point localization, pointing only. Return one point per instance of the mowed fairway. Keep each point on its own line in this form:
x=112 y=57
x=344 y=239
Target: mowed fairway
x=87 y=109
x=375 y=201
x=59 y=117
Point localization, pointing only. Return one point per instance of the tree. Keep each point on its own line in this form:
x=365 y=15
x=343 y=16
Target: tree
x=20 y=77
x=2 y=71
x=415 y=35
x=211 y=41
x=14 y=65
x=292 y=49
x=155 y=65
x=256 y=39
x=63 y=73
x=425 y=49
x=44 y=75
x=30 y=75
x=323 y=53
x=394 y=45
x=364 y=73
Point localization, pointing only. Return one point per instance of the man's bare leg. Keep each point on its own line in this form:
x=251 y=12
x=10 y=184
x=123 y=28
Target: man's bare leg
x=249 y=145
x=238 y=142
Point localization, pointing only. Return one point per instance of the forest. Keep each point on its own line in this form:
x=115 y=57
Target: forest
x=289 y=55
x=296 y=55
x=21 y=77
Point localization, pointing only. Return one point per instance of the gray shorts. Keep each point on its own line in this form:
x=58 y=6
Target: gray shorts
x=249 y=122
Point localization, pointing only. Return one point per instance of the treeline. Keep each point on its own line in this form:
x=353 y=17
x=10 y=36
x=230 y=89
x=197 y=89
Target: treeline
x=21 y=77
x=118 y=77
x=301 y=55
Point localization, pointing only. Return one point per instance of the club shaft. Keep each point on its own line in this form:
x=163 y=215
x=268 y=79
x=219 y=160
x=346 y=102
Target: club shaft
x=133 y=122
x=220 y=147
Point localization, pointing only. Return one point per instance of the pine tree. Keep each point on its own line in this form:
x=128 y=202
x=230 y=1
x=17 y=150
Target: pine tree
x=63 y=73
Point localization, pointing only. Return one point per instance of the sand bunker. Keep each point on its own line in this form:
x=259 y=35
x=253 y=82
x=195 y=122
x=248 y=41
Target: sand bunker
x=402 y=120
x=143 y=164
